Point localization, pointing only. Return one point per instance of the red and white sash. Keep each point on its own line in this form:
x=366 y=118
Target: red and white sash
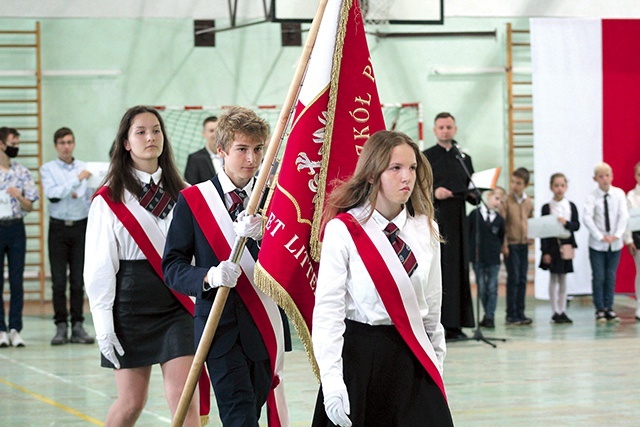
x=214 y=221
x=400 y=301
x=150 y=239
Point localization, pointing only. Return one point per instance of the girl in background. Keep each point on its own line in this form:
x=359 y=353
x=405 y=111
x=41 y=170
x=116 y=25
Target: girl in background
x=552 y=259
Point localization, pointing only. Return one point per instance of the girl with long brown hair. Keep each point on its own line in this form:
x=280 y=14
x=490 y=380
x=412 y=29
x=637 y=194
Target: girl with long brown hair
x=376 y=332
x=138 y=321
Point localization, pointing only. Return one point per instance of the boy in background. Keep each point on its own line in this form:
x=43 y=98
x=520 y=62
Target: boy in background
x=605 y=216
x=517 y=209
x=487 y=224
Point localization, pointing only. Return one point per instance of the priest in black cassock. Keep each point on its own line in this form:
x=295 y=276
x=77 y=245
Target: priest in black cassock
x=450 y=183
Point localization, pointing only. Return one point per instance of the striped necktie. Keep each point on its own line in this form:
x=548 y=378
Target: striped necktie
x=155 y=200
x=407 y=258
x=237 y=202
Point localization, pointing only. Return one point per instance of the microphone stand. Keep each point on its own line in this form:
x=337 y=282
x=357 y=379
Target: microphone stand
x=477 y=333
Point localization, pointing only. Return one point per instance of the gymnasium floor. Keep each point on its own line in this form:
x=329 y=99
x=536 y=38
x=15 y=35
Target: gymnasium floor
x=544 y=375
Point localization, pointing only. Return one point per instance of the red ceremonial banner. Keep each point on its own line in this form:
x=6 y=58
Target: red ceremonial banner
x=337 y=110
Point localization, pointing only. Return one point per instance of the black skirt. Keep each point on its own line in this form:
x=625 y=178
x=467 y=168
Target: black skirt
x=557 y=265
x=386 y=383
x=151 y=324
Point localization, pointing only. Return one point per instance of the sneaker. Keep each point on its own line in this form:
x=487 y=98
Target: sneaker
x=4 y=339
x=611 y=316
x=79 y=335
x=600 y=318
x=16 y=339
x=557 y=318
x=62 y=334
x=565 y=318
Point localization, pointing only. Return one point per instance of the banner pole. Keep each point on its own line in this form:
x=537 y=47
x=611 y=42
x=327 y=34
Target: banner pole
x=261 y=183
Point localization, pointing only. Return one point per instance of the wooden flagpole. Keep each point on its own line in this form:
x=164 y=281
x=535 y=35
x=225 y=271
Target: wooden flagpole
x=238 y=247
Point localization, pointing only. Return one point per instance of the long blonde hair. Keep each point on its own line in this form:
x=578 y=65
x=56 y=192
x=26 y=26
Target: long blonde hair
x=364 y=185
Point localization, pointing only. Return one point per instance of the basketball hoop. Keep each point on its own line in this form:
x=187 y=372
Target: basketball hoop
x=376 y=12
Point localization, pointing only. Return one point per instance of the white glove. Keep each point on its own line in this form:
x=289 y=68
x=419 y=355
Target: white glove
x=106 y=336
x=224 y=274
x=249 y=226
x=336 y=405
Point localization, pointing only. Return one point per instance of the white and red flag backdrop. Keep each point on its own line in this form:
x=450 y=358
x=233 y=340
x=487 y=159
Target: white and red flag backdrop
x=586 y=105
x=338 y=108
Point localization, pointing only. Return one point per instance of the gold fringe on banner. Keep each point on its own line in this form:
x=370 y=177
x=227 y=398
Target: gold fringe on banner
x=315 y=243
x=272 y=288
x=204 y=420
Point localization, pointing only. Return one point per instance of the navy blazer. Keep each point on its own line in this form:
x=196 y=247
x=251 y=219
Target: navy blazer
x=199 y=167
x=186 y=240
x=491 y=238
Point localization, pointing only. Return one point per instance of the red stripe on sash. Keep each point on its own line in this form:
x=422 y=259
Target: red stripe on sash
x=218 y=242
x=144 y=243
x=390 y=295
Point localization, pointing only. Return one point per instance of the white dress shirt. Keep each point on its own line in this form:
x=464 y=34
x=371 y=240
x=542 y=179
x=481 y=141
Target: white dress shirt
x=633 y=201
x=216 y=160
x=594 y=218
x=60 y=181
x=562 y=208
x=345 y=290
x=228 y=187
x=108 y=242
x=487 y=215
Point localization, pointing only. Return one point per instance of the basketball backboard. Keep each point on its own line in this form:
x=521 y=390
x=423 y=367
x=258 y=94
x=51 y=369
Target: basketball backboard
x=394 y=11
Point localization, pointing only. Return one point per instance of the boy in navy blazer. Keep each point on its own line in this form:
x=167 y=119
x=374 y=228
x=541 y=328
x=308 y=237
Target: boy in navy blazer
x=242 y=362
x=488 y=226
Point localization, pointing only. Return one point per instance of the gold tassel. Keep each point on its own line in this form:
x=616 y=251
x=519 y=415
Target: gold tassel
x=204 y=420
x=272 y=288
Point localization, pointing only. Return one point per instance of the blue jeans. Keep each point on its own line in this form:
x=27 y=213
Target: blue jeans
x=487 y=279
x=603 y=277
x=13 y=242
x=517 y=264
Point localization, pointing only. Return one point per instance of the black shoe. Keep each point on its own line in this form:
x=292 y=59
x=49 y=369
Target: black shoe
x=611 y=316
x=600 y=317
x=526 y=320
x=79 y=335
x=62 y=334
x=556 y=318
x=513 y=321
x=565 y=318
x=454 y=334
x=488 y=323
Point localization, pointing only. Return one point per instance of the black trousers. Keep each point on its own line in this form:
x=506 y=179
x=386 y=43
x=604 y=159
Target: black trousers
x=241 y=386
x=66 y=253
x=386 y=383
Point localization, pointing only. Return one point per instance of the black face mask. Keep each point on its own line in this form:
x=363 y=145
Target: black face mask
x=11 y=151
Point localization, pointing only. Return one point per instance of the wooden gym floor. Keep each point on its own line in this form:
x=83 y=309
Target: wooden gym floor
x=544 y=374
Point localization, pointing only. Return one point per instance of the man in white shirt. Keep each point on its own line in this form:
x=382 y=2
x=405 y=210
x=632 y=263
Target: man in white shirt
x=64 y=181
x=605 y=216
